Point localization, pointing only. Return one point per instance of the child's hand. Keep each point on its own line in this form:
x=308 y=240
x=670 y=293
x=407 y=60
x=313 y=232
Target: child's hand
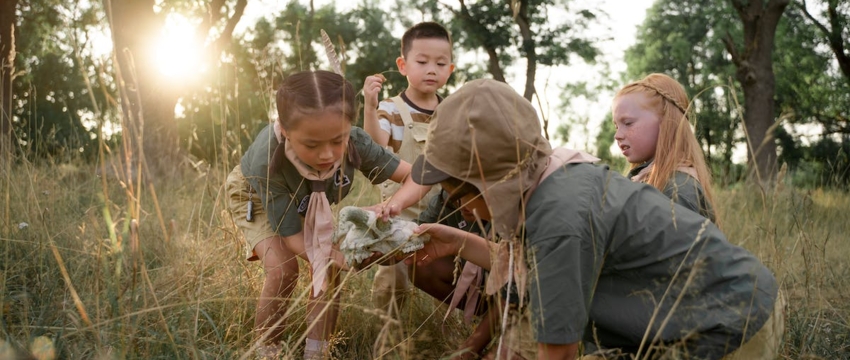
x=384 y=211
x=371 y=88
x=339 y=260
x=445 y=241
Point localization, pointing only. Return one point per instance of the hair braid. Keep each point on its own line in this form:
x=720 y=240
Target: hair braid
x=664 y=95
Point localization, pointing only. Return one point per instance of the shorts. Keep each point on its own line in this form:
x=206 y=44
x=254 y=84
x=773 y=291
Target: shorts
x=766 y=343
x=239 y=193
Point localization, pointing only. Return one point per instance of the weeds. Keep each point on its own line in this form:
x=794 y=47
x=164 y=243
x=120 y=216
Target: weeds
x=176 y=284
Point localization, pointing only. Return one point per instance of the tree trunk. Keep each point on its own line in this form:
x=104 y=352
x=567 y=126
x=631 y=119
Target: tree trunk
x=475 y=27
x=755 y=73
x=7 y=70
x=528 y=47
x=148 y=128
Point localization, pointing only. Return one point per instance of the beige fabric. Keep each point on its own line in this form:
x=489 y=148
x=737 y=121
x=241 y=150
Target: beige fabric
x=319 y=221
x=767 y=342
x=238 y=190
x=415 y=134
x=389 y=111
x=390 y=288
x=391 y=284
x=489 y=136
x=499 y=271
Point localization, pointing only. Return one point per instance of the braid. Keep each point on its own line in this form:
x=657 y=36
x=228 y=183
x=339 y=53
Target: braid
x=665 y=95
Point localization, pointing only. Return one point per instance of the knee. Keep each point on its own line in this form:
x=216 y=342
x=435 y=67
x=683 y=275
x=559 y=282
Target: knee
x=282 y=274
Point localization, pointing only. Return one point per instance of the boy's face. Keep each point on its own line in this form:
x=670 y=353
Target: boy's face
x=471 y=205
x=427 y=65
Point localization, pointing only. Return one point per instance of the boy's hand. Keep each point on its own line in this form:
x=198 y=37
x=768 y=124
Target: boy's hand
x=445 y=241
x=371 y=88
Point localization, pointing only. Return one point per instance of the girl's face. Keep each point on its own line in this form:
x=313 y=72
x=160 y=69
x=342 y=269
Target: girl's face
x=637 y=127
x=469 y=203
x=319 y=139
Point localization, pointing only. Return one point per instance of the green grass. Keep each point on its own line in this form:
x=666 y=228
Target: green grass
x=180 y=288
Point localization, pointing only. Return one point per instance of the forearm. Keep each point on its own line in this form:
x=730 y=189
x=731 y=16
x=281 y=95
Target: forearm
x=295 y=244
x=410 y=192
x=481 y=335
x=557 y=351
x=476 y=249
x=372 y=126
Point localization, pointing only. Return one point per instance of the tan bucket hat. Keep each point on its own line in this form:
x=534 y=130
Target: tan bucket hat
x=488 y=135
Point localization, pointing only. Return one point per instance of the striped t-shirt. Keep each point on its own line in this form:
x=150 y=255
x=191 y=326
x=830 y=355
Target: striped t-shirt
x=390 y=119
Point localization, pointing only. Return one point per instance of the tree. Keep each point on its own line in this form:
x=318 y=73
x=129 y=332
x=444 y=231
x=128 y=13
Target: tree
x=681 y=39
x=148 y=102
x=834 y=33
x=7 y=70
x=523 y=28
x=241 y=100
x=51 y=98
x=755 y=74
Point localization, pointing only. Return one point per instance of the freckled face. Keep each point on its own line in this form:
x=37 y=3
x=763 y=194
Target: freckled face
x=469 y=203
x=637 y=127
x=320 y=139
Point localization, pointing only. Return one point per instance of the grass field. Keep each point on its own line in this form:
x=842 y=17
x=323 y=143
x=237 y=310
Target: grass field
x=79 y=279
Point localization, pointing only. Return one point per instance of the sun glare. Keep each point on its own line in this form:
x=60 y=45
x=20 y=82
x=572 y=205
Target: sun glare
x=177 y=51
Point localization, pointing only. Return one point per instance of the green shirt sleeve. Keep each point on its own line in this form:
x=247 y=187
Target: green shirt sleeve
x=376 y=163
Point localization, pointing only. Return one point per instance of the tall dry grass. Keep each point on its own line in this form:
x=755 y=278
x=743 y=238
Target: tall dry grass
x=76 y=271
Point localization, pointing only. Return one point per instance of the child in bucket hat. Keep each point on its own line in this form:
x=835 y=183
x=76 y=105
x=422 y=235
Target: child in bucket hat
x=609 y=262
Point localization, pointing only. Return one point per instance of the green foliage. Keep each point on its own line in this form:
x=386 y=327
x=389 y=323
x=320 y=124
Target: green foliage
x=375 y=50
x=683 y=39
x=52 y=101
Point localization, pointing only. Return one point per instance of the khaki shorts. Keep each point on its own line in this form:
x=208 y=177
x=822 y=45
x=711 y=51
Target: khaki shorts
x=239 y=192
x=767 y=342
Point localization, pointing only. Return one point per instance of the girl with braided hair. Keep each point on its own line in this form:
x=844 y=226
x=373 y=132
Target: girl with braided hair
x=280 y=196
x=655 y=136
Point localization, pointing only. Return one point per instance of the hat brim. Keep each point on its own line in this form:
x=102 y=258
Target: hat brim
x=424 y=173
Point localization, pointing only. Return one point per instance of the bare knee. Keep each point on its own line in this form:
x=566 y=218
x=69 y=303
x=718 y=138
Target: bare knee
x=279 y=263
x=282 y=273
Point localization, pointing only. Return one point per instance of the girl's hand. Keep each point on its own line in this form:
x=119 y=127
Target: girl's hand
x=384 y=211
x=389 y=210
x=374 y=208
x=445 y=241
x=371 y=88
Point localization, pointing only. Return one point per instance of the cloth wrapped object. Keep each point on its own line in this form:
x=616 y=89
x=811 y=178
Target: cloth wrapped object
x=360 y=233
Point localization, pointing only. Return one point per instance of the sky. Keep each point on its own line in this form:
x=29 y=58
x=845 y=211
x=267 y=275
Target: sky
x=625 y=17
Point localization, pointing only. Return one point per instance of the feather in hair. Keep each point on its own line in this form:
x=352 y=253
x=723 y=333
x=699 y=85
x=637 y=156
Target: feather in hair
x=330 y=52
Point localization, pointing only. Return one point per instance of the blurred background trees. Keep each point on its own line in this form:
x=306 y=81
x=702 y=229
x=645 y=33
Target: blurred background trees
x=80 y=73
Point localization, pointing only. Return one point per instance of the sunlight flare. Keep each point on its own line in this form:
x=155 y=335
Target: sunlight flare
x=177 y=52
